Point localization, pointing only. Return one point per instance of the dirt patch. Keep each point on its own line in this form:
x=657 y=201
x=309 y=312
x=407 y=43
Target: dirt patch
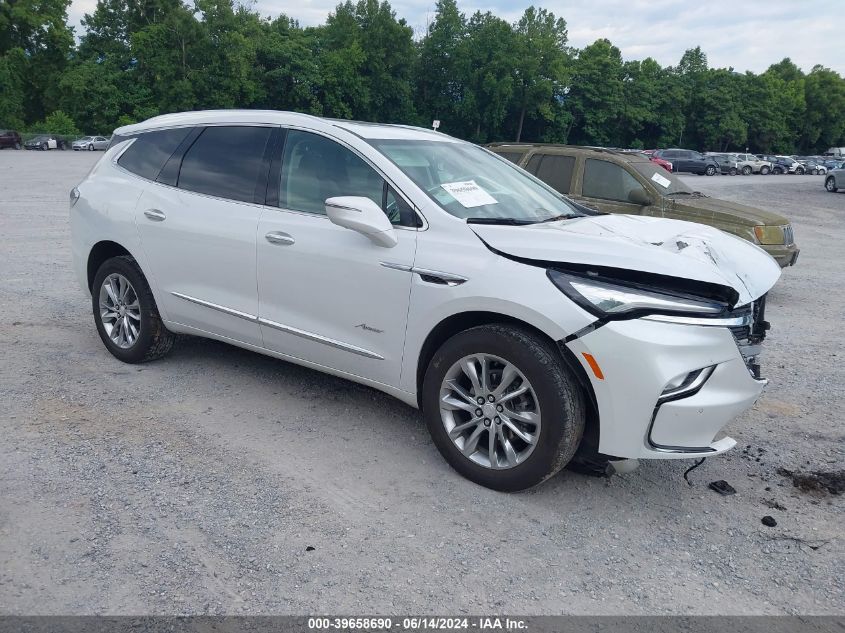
x=817 y=481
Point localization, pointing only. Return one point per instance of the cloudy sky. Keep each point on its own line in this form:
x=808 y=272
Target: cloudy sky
x=744 y=35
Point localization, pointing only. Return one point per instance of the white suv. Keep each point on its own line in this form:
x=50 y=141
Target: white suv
x=526 y=327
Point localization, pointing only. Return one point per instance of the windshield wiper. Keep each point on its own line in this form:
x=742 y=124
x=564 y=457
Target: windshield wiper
x=562 y=216
x=695 y=194
x=504 y=221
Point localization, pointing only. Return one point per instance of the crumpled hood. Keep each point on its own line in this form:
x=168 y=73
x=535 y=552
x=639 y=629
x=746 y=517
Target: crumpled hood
x=653 y=245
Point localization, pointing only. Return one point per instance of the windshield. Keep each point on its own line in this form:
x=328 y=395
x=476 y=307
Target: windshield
x=661 y=179
x=86 y=138
x=470 y=182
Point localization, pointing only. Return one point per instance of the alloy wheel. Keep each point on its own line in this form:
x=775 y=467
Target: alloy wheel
x=490 y=411
x=120 y=311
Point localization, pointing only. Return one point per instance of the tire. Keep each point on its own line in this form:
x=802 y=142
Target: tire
x=830 y=184
x=553 y=393
x=815 y=172
x=764 y=171
x=799 y=171
x=777 y=171
x=710 y=170
x=746 y=171
x=732 y=171
x=17 y=145
x=44 y=147
x=91 y=147
x=152 y=339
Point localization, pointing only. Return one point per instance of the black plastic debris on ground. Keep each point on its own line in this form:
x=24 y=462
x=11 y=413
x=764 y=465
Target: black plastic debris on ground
x=722 y=487
x=817 y=481
x=768 y=521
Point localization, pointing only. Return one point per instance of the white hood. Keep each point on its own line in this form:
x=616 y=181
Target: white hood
x=653 y=245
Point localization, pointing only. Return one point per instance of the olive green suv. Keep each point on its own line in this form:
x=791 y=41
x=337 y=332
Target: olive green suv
x=617 y=182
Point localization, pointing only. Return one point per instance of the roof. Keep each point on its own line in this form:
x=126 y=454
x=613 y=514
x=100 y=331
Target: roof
x=633 y=156
x=359 y=128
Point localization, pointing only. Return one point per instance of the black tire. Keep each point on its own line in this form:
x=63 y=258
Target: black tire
x=17 y=145
x=732 y=171
x=154 y=339
x=710 y=170
x=830 y=184
x=777 y=171
x=44 y=147
x=746 y=171
x=764 y=171
x=560 y=399
x=91 y=147
x=799 y=171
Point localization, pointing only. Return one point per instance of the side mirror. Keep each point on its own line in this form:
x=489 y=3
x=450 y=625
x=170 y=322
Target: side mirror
x=364 y=216
x=639 y=196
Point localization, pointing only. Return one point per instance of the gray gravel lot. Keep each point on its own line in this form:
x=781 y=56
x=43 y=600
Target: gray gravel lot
x=199 y=483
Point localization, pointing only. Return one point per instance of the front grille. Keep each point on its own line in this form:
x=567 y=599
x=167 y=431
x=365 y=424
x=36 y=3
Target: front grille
x=749 y=338
x=788 y=237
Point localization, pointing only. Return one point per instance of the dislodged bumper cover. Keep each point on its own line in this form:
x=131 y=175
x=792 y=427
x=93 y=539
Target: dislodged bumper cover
x=652 y=245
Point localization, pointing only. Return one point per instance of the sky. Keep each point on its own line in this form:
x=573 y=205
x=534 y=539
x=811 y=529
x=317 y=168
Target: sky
x=749 y=35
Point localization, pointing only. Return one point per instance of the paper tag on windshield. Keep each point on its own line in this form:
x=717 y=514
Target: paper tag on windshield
x=661 y=180
x=469 y=194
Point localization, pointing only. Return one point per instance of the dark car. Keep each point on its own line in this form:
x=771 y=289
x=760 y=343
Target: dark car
x=727 y=164
x=10 y=138
x=690 y=161
x=783 y=164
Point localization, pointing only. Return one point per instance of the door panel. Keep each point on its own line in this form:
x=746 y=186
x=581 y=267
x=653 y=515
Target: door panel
x=202 y=257
x=326 y=297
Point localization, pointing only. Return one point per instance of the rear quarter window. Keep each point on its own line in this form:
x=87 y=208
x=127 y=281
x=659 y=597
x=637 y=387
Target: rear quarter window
x=150 y=151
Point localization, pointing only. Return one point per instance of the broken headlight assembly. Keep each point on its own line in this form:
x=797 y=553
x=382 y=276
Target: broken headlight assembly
x=620 y=300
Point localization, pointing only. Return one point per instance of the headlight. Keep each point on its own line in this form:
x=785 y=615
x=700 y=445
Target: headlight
x=770 y=234
x=619 y=300
x=74 y=196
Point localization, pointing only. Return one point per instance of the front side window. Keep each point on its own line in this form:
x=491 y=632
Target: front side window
x=470 y=182
x=226 y=162
x=315 y=168
x=607 y=181
x=147 y=155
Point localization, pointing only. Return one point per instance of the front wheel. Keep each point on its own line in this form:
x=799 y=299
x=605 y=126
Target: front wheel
x=830 y=184
x=44 y=147
x=91 y=148
x=764 y=171
x=502 y=407
x=17 y=145
x=746 y=171
x=125 y=313
x=732 y=171
x=710 y=171
x=777 y=171
x=800 y=171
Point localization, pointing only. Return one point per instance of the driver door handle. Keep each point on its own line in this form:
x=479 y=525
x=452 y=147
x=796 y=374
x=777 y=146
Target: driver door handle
x=155 y=215
x=280 y=238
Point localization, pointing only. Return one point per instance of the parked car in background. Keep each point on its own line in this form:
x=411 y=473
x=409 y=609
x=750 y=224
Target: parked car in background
x=832 y=163
x=665 y=164
x=91 y=143
x=836 y=151
x=615 y=182
x=783 y=164
x=752 y=164
x=811 y=164
x=686 y=160
x=426 y=267
x=10 y=139
x=44 y=142
x=835 y=179
x=727 y=165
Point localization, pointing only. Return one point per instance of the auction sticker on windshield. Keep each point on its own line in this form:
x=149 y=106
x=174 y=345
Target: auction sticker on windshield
x=661 y=180
x=469 y=194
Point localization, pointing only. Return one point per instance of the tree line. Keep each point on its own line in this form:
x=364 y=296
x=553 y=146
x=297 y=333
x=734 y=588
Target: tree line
x=484 y=78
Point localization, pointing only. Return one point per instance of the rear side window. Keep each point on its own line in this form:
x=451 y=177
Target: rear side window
x=147 y=155
x=226 y=162
x=556 y=171
x=513 y=157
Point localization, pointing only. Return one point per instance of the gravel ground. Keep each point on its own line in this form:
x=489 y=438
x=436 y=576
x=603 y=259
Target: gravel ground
x=221 y=481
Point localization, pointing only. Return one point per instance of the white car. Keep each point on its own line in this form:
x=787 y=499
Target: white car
x=90 y=143
x=527 y=328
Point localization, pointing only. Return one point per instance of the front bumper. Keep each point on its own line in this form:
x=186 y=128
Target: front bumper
x=784 y=255
x=640 y=415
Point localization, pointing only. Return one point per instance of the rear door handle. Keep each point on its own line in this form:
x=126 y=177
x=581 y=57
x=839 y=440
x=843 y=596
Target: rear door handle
x=155 y=215
x=280 y=238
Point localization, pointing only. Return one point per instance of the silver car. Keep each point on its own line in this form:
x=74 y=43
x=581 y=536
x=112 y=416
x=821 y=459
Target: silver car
x=835 y=179
x=91 y=143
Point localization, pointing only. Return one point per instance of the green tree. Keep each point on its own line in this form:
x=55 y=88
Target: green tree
x=56 y=123
x=596 y=96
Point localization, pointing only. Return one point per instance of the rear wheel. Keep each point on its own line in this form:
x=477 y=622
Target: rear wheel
x=126 y=314
x=17 y=145
x=91 y=147
x=710 y=171
x=732 y=171
x=830 y=184
x=777 y=170
x=44 y=147
x=800 y=171
x=502 y=407
x=764 y=170
x=746 y=171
